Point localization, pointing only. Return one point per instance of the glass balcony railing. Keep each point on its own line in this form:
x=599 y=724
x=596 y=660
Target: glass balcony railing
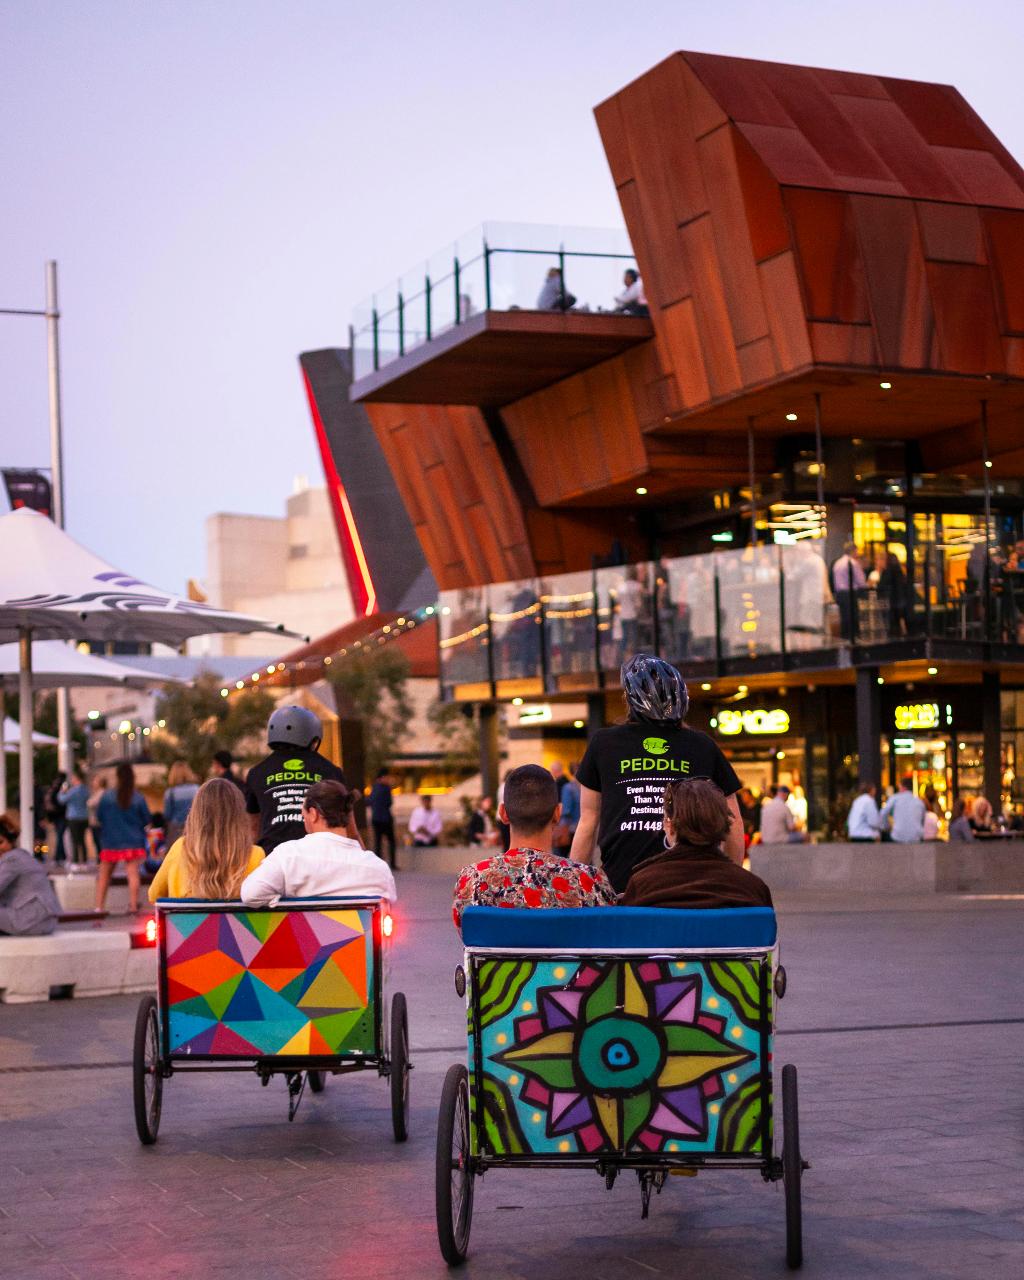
x=729 y=610
x=497 y=267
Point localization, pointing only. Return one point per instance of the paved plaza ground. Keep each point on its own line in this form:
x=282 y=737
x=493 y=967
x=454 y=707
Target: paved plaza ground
x=904 y=1018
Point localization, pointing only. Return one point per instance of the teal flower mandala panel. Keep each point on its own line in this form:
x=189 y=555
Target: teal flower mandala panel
x=624 y=1056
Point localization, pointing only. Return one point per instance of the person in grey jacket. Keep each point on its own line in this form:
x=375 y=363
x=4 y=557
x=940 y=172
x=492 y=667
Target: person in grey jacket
x=28 y=904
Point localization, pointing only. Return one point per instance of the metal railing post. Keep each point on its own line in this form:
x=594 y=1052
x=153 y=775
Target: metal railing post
x=718 y=623
x=376 y=340
x=401 y=325
x=927 y=591
x=490 y=648
x=561 y=277
x=458 y=296
x=426 y=282
x=487 y=276
x=782 y=604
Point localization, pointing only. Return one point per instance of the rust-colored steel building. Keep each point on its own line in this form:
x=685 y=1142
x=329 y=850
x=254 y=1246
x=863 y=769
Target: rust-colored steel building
x=790 y=457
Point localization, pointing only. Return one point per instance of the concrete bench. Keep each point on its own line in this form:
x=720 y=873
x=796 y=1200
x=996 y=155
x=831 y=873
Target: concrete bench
x=933 y=866
x=75 y=891
x=78 y=962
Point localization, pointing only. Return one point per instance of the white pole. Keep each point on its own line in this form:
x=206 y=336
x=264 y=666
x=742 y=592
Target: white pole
x=26 y=762
x=3 y=756
x=65 y=741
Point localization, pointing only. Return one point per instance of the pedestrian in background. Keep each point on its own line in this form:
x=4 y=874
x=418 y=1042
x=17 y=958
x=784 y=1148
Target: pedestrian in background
x=123 y=815
x=382 y=817
x=960 y=828
x=181 y=791
x=223 y=766
x=862 y=822
x=425 y=824
x=215 y=852
x=74 y=796
x=97 y=786
x=778 y=826
x=55 y=816
x=907 y=814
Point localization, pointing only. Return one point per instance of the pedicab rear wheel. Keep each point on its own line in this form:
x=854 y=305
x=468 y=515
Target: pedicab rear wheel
x=454 y=1171
x=399 y=1067
x=792 y=1168
x=147 y=1078
x=317 y=1080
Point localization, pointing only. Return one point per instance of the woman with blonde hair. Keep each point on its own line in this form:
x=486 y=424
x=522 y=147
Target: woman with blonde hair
x=215 y=852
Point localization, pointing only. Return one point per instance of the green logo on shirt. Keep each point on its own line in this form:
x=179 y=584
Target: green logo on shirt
x=293 y=766
x=656 y=746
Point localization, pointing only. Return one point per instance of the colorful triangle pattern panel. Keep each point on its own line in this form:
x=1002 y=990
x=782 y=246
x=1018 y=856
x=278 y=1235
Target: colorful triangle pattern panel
x=253 y=984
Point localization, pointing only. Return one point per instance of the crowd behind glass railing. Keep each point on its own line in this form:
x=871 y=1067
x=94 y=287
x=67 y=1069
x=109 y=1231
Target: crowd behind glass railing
x=497 y=267
x=749 y=602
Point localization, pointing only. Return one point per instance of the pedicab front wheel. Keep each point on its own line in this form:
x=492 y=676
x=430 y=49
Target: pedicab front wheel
x=147 y=1080
x=317 y=1081
x=399 y=1067
x=454 y=1173
x=792 y=1168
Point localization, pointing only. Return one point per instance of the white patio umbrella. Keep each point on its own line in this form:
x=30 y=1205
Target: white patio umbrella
x=56 y=665
x=51 y=588
x=12 y=736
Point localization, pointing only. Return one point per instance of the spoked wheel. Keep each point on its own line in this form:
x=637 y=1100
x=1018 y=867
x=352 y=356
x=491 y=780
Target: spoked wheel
x=317 y=1081
x=792 y=1167
x=454 y=1180
x=147 y=1080
x=399 y=1067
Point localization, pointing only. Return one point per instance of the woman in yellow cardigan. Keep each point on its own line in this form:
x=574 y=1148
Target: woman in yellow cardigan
x=215 y=852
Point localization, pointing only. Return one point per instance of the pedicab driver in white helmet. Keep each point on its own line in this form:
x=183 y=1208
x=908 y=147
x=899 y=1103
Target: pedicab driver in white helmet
x=275 y=789
x=626 y=768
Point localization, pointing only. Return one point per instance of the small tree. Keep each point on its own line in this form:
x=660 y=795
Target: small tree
x=200 y=721
x=371 y=687
x=456 y=727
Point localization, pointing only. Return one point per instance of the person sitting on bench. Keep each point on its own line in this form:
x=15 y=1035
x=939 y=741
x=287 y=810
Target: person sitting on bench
x=28 y=904
x=693 y=871
x=214 y=852
x=529 y=874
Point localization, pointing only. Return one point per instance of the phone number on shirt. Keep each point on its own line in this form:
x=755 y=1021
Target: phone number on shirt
x=640 y=825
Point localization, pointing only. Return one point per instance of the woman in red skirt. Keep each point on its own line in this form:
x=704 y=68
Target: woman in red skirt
x=123 y=817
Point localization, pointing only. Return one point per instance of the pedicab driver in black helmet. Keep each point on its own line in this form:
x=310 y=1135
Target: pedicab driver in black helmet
x=276 y=787
x=625 y=769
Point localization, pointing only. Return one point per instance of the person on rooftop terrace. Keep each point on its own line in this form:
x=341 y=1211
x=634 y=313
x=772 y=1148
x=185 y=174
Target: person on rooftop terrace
x=692 y=871
x=626 y=767
x=529 y=874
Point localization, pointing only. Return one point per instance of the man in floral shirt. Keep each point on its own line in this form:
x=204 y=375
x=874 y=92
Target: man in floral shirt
x=529 y=874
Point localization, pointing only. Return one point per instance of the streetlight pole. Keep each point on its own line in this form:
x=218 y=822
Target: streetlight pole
x=65 y=742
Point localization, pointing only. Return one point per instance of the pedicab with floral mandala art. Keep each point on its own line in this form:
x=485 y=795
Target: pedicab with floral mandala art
x=622 y=1040
x=299 y=989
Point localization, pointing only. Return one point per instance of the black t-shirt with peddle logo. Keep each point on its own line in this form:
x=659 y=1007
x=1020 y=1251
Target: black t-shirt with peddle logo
x=630 y=765
x=276 y=787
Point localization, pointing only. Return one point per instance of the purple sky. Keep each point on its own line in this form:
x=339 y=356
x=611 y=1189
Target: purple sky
x=222 y=181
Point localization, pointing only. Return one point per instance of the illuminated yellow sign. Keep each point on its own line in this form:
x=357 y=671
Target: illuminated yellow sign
x=917 y=715
x=753 y=720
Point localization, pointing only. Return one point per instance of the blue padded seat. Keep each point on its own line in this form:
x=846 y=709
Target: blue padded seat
x=629 y=928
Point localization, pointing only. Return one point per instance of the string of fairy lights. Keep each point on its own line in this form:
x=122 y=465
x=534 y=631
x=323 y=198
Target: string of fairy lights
x=278 y=672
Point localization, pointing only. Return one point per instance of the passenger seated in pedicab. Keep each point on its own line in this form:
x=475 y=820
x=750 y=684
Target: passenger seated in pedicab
x=693 y=871
x=529 y=874
x=214 y=852
x=325 y=862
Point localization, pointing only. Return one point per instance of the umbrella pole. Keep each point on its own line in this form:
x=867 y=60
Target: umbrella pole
x=26 y=781
x=3 y=754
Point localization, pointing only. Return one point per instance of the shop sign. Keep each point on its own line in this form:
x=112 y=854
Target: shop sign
x=539 y=714
x=754 y=720
x=917 y=715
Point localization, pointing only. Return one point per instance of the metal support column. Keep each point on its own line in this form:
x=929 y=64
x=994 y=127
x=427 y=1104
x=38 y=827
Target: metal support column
x=991 y=755
x=65 y=741
x=869 y=726
x=986 y=468
x=752 y=481
x=488 y=728
x=595 y=713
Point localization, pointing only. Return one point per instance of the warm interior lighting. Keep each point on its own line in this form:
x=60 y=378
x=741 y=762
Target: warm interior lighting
x=577 y=724
x=988 y=462
x=641 y=490
x=705 y=686
x=517 y=702
x=780 y=755
x=791 y=417
x=886 y=386
x=933 y=671
x=223 y=693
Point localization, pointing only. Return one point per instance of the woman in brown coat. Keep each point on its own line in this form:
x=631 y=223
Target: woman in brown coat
x=693 y=871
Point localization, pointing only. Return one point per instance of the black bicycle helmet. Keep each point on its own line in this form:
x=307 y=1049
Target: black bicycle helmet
x=654 y=689
x=294 y=727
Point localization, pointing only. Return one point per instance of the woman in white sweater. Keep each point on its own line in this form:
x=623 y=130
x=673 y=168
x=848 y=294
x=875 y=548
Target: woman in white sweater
x=325 y=862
